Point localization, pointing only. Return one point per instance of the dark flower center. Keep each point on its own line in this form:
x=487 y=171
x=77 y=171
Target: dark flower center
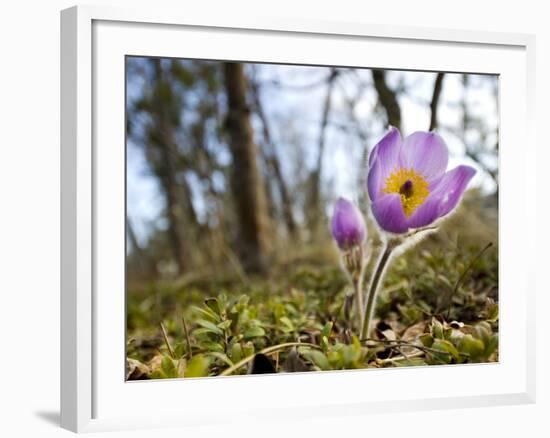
x=412 y=187
x=406 y=189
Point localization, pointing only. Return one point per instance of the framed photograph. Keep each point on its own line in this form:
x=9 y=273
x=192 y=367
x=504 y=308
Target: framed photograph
x=289 y=218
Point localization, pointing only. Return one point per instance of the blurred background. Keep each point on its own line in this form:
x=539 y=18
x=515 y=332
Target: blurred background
x=232 y=173
x=232 y=169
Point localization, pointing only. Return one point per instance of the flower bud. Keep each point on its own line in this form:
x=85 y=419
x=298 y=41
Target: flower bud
x=348 y=225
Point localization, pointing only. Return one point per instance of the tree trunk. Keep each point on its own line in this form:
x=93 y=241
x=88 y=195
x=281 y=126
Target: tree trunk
x=167 y=171
x=246 y=180
x=387 y=98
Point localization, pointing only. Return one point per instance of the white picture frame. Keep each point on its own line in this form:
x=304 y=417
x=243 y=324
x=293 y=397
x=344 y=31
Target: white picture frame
x=94 y=41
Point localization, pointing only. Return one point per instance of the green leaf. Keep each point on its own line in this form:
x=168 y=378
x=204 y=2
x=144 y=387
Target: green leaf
x=483 y=331
x=287 y=322
x=236 y=352
x=179 y=349
x=350 y=355
x=225 y=324
x=248 y=349
x=213 y=305
x=222 y=356
x=243 y=300
x=426 y=339
x=197 y=367
x=222 y=302
x=318 y=359
x=327 y=329
x=254 y=332
x=472 y=346
x=437 y=329
x=201 y=331
x=206 y=313
x=446 y=346
x=335 y=359
x=212 y=346
x=491 y=346
x=209 y=326
x=492 y=312
x=169 y=367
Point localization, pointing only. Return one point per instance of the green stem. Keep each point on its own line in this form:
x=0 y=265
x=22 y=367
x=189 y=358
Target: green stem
x=373 y=288
x=357 y=287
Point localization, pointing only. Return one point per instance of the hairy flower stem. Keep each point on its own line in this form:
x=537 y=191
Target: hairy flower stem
x=358 y=289
x=374 y=285
x=354 y=261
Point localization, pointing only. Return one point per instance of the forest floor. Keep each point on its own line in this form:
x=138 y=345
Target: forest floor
x=438 y=305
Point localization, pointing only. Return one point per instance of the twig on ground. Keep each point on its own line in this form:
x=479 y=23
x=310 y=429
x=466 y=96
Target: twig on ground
x=266 y=351
x=463 y=275
x=187 y=339
x=166 y=341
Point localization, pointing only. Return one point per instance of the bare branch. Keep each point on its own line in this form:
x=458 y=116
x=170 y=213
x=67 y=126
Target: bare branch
x=438 y=86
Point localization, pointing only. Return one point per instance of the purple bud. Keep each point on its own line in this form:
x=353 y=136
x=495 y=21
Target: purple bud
x=348 y=225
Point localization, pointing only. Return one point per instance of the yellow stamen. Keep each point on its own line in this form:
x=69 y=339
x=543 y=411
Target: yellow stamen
x=412 y=187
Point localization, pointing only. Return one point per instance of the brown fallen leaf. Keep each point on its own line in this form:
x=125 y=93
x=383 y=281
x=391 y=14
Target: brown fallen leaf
x=412 y=335
x=135 y=370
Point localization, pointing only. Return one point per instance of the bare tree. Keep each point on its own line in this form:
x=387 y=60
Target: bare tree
x=144 y=263
x=314 y=208
x=162 y=135
x=246 y=180
x=387 y=98
x=272 y=161
x=475 y=150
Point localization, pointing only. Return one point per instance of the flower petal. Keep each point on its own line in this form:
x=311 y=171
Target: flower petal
x=444 y=197
x=451 y=187
x=427 y=213
x=387 y=152
x=426 y=153
x=388 y=212
x=375 y=181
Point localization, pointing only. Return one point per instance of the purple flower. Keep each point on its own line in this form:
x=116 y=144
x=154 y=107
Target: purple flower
x=408 y=183
x=348 y=225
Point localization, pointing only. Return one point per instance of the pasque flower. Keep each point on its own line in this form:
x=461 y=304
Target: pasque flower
x=349 y=231
x=408 y=183
x=348 y=225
